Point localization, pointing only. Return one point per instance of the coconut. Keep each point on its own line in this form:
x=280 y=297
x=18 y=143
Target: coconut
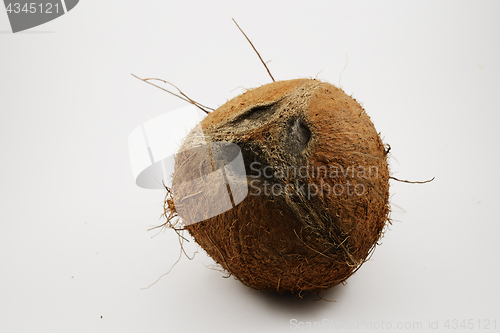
x=313 y=201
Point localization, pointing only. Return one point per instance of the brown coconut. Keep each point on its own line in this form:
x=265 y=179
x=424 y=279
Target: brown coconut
x=294 y=240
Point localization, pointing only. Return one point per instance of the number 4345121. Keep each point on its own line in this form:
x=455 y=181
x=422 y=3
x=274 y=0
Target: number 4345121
x=46 y=8
x=471 y=324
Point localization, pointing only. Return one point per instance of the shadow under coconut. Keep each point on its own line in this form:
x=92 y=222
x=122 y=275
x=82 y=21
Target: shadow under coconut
x=292 y=304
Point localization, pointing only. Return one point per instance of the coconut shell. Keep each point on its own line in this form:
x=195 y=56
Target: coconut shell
x=293 y=231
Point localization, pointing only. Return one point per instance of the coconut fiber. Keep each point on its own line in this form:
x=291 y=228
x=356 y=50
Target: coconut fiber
x=317 y=179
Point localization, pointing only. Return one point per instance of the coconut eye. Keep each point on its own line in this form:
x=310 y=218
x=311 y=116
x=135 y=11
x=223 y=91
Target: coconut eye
x=256 y=116
x=259 y=112
x=297 y=136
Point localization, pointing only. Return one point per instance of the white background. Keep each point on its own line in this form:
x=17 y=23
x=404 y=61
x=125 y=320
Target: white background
x=74 y=244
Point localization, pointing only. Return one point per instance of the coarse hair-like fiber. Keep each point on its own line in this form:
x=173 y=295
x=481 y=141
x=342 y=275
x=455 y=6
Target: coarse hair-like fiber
x=292 y=240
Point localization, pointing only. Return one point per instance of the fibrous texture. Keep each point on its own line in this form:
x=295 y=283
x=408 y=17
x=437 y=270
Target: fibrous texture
x=314 y=198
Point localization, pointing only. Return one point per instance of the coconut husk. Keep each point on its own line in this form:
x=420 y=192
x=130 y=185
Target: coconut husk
x=294 y=240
